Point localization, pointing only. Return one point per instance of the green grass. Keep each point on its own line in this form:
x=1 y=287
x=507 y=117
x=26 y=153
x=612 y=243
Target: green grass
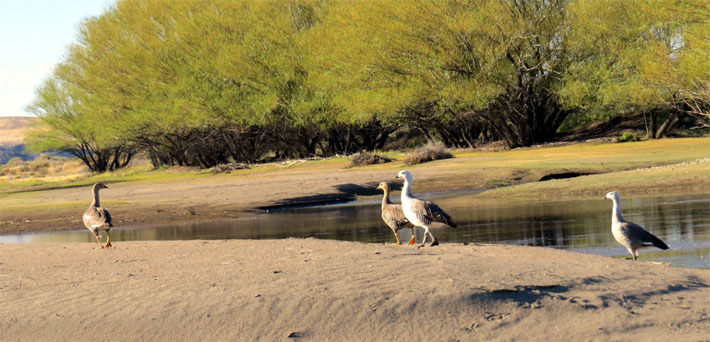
x=688 y=178
x=596 y=156
x=503 y=170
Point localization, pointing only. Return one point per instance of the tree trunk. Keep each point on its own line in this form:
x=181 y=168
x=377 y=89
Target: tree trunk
x=667 y=125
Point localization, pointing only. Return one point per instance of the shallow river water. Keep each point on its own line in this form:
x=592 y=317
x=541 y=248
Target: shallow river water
x=683 y=222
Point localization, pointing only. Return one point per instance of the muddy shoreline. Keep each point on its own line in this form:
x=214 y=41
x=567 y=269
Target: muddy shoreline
x=187 y=197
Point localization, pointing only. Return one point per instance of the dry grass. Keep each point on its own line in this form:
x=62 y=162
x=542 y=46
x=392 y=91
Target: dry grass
x=13 y=129
x=45 y=168
x=362 y=159
x=427 y=153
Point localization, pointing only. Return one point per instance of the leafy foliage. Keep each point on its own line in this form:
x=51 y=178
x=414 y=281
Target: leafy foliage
x=641 y=56
x=211 y=82
x=627 y=137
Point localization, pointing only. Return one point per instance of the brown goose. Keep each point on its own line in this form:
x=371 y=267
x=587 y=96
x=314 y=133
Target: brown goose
x=421 y=213
x=97 y=218
x=393 y=216
x=629 y=234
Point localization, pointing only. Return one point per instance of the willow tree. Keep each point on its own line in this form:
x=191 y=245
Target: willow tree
x=455 y=69
x=196 y=83
x=640 y=56
x=76 y=125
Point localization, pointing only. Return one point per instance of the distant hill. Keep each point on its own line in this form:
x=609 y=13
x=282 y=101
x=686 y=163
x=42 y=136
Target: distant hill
x=12 y=135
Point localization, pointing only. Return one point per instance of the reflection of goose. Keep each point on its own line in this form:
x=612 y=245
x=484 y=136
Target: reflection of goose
x=393 y=216
x=628 y=234
x=421 y=213
x=96 y=218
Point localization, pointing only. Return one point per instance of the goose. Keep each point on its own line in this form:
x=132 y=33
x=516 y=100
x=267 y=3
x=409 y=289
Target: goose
x=421 y=213
x=393 y=216
x=629 y=234
x=97 y=218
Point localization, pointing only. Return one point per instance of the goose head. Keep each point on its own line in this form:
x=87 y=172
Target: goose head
x=612 y=196
x=384 y=186
x=99 y=186
x=405 y=175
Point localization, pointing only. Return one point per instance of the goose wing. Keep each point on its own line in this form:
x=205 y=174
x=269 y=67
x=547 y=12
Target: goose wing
x=394 y=217
x=428 y=212
x=435 y=213
x=637 y=233
x=97 y=218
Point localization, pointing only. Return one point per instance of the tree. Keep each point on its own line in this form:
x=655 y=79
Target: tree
x=455 y=69
x=71 y=130
x=207 y=82
x=642 y=56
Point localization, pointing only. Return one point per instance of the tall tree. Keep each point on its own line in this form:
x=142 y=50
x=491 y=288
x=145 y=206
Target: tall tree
x=480 y=66
x=640 y=56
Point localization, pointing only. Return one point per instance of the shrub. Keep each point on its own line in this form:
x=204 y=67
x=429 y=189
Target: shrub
x=362 y=159
x=14 y=161
x=427 y=153
x=227 y=168
x=628 y=136
x=42 y=168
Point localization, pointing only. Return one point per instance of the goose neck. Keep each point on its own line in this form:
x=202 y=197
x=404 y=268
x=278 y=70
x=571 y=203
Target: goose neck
x=95 y=201
x=406 y=192
x=616 y=212
x=386 y=198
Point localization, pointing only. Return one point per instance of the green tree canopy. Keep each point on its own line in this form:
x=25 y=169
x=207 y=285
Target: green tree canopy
x=205 y=82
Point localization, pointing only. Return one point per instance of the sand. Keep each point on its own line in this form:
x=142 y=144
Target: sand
x=317 y=290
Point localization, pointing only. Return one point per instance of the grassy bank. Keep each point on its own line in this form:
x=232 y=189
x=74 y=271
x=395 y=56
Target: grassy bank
x=633 y=167
x=686 y=177
x=139 y=195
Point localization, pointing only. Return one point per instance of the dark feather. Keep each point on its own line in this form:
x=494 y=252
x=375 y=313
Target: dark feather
x=107 y=216
x=434 y=213
x=655 y=241
x=639 y=233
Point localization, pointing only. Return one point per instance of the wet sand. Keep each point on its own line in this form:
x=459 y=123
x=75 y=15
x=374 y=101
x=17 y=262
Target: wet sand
x=315 y=290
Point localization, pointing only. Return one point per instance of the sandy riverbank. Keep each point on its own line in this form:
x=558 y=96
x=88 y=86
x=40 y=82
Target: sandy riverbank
x=331 y=290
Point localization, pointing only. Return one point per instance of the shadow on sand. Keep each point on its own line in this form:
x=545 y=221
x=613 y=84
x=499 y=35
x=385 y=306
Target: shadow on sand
x=530 y=296
x=343 y=193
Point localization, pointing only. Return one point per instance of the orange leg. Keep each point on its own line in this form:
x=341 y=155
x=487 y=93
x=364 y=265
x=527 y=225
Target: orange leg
x=411 y=241
x=108 y=240
x=396 y=236
x=98 y=239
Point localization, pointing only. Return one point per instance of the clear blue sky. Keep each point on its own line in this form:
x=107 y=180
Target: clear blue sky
x=34 y=36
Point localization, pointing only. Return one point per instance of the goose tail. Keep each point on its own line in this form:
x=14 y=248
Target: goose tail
x=657 y=242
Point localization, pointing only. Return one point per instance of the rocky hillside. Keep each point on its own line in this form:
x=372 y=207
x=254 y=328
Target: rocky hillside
x=12 y=132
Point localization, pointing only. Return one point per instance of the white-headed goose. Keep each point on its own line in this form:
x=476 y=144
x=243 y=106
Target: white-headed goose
x=419 y=212
x=628 y=234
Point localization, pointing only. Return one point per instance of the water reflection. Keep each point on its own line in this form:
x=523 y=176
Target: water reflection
x=584 y=226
